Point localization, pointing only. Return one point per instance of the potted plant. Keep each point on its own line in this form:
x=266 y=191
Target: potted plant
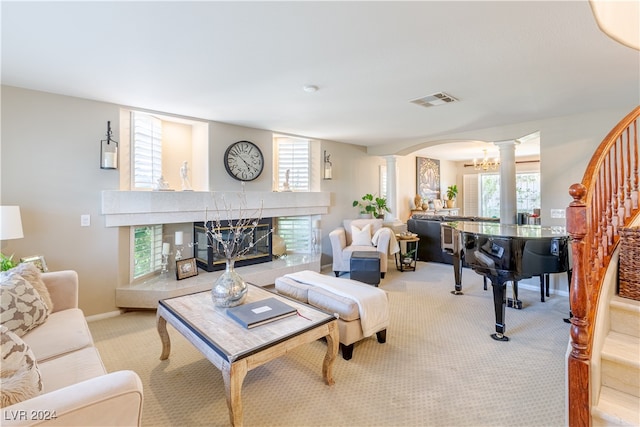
x=381 y=207
x=366 y=205
x=452 y=192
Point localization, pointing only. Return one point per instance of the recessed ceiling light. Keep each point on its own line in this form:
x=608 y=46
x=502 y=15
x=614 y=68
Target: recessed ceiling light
x=310 y=88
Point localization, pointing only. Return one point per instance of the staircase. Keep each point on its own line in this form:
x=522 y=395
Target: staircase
x=619 y=400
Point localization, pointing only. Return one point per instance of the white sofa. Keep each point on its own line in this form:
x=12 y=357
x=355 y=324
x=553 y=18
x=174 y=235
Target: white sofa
x=77 y=390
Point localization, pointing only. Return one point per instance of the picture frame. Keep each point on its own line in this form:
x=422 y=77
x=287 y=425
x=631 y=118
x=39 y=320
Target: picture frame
x=428 y=178
x=38 y=261
x=186 y=268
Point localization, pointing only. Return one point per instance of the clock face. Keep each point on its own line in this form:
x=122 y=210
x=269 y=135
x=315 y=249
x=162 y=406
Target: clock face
x=243 y=160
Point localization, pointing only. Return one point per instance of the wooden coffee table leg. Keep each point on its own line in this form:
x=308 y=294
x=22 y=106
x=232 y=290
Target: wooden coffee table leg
x=233 y=377
x=332 y=353
x=161 y=324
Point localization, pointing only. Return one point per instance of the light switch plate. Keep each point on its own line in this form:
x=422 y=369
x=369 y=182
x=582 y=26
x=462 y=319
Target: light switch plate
x=85 y=220
x=557 y=213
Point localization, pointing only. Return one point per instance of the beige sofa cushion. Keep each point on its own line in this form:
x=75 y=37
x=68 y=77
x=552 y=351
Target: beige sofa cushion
x=74 y=367
x=327 y=301
x=292 y=289
x=19 y=374
x=64 y=331
x=22 y=308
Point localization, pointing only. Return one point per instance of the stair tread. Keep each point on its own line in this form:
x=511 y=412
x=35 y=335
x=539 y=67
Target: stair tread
x=622 y=348
x=616 y=406
x=625 y=303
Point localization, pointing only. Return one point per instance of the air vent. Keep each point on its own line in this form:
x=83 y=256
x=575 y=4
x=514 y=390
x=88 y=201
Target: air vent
x=434 y=99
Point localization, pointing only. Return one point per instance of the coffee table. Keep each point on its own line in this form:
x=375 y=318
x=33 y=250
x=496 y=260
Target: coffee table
x=235 y=350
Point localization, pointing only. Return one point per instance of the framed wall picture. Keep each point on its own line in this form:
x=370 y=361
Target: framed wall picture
x=186 y=268
x=38 y=261
x=428 y=178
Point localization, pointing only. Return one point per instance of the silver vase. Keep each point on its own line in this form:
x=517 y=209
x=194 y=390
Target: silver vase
x=229 y=289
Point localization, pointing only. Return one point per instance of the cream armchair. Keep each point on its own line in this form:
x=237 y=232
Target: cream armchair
x=361 y=235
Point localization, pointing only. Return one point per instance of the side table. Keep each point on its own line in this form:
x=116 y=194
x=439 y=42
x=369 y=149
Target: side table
x=407 y=257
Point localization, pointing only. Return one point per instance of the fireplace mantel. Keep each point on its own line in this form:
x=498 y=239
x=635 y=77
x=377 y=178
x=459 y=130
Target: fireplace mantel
x=129 y=208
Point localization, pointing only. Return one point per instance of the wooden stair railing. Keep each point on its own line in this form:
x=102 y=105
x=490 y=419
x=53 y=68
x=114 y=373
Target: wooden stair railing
x=606 y=200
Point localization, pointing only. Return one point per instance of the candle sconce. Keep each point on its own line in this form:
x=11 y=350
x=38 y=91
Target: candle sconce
x=327 y=172
x=108 y=151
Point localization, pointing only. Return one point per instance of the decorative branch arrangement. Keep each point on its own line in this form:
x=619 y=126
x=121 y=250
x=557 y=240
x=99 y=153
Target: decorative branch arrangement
x=229 y=240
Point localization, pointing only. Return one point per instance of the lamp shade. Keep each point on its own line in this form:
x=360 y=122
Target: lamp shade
x=10 y=223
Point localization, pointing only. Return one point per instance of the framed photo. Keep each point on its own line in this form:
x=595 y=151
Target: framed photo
x=38 y=260
x=186 y=268
x=428 y=178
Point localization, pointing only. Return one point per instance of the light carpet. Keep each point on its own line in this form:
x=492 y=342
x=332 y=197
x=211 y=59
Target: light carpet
x=439 y=366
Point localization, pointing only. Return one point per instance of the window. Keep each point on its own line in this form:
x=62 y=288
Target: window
x=293 y=172
x=147 y=250
x=293 y=157
x=147 y=150
x=296 y=232
x=527 y=193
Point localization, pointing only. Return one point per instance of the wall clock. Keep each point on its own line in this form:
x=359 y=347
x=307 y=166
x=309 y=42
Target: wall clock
x=244 y=161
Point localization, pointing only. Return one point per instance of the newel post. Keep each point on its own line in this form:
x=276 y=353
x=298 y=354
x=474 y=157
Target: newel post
x=578 y=363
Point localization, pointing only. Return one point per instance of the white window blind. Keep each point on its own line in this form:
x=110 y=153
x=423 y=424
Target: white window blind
x=147 y=150
x=293 y=156
x=471 y=197
x=147 y=250
x=296 y=232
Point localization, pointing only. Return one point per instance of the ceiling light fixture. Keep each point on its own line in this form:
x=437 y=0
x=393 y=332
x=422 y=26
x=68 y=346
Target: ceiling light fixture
x=486 y=164
x=310 y=88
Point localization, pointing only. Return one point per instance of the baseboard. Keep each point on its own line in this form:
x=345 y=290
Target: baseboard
x=102 y=316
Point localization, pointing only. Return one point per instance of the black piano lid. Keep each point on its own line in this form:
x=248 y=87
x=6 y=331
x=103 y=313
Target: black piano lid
x=492 y=229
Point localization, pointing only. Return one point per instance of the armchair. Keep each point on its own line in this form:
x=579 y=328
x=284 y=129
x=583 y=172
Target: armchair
x=361 y=235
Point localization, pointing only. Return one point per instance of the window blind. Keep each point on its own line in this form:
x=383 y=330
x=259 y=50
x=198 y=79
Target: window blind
x=147 y=150
x=147 y=250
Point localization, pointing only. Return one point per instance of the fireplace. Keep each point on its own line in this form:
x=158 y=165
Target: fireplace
x=209 y=259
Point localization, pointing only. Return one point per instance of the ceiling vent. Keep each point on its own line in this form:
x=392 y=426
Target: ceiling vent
x=434 y=99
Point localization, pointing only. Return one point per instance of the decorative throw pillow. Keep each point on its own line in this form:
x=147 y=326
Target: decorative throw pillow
x=361 y=237
x=32 y=274
x=20 y=377
x=21 y=307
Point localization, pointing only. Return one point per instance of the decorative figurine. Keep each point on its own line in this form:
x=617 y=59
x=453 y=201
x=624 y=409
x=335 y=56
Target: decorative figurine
x=184 y=174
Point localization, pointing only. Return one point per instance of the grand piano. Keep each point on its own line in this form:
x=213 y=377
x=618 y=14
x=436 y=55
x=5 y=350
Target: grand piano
x=505 y=253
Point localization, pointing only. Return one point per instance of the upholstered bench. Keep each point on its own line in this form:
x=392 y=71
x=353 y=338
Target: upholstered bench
x=362 y=310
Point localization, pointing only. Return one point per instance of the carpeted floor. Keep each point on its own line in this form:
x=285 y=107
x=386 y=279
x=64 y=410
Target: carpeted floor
x=439 y=366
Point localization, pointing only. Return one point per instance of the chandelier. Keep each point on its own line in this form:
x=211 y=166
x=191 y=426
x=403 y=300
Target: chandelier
x=486 y=164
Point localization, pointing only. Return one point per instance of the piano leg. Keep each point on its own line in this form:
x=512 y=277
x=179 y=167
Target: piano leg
x=499 y=302
x=457 y=272
x=515 y=302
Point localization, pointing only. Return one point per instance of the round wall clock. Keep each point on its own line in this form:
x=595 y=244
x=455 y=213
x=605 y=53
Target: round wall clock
x=244 y=161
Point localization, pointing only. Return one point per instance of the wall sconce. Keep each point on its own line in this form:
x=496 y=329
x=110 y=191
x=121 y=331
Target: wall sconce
x=108 y=151
x=327 y=166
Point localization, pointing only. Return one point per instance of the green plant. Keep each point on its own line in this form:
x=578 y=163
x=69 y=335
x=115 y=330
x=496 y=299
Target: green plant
x=6 y=263
x=366 y=204
x=452 y=191
x=381 y=206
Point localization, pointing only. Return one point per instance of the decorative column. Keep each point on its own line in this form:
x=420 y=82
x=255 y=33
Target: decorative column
x=508 y=199
x=392 y=192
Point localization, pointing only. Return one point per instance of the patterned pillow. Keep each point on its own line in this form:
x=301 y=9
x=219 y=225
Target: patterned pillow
x=19 y=374
x=22 y=308
x=33 y=275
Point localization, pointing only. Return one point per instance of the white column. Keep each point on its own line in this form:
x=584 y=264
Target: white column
x=508 y=200
x=392 y=191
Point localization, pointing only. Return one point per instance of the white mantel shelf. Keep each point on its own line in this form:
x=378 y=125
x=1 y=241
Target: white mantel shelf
x=129 y=208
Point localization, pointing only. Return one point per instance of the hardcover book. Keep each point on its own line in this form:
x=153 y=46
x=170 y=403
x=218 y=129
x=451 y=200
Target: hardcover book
x=260 y=312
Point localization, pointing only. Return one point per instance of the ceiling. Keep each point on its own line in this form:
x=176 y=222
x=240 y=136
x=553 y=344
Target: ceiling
x=246 y=63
